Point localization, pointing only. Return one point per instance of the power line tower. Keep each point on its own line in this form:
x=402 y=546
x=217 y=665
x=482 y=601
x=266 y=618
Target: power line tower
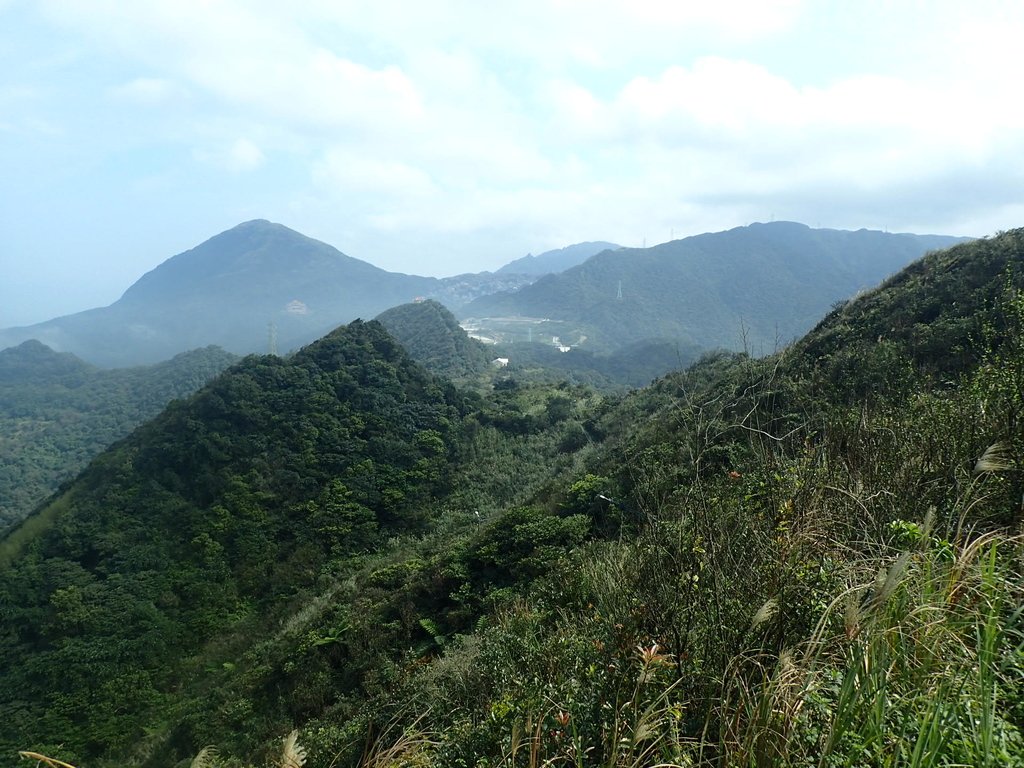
x=618 y=295
x=272 y=338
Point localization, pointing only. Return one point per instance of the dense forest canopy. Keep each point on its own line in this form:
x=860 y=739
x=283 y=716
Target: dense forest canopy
x=58 y=412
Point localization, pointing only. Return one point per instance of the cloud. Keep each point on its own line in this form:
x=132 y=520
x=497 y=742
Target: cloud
x=250 y=58
x=561 y=119
x=244 y=156
x=241 y=156
x=353 y=172
x=149 y=91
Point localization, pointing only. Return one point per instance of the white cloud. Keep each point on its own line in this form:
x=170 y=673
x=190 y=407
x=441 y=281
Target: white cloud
x=244 y=156
x=261 y=61
x=571 y=119
x=345 y=171
x=240 y=156
x=149 y=91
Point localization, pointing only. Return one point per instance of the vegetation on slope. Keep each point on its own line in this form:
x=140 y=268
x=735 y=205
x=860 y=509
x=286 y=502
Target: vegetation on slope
x=434 y=339
x=630 y=366
x=213 y=517
x=753 y=562
x=752 y=288
x=57 y=413
x=798 y=577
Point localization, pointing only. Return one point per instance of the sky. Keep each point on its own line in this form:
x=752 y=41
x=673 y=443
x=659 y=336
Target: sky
x=438 y=137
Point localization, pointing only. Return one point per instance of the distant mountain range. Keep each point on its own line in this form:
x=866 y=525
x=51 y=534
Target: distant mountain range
x=558 y=260
x=758 y=286
x=236 y=290
x=342 y=543
x=245 y=289
x=262 y=286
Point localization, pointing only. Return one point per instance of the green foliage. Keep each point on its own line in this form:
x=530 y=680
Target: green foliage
x=433 y=338
x=633 y=365
x=821 y=584
x=751 y=288
x=817 y=569
x=222 y=510
x=57 y=413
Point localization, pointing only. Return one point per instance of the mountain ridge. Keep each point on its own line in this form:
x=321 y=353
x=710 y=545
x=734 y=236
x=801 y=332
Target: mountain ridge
x=237 y=289
x=557 y=260
x=58 y=412
x=760 y=285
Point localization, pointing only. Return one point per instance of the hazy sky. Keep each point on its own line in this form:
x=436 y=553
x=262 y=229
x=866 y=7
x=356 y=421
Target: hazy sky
x=441 y=137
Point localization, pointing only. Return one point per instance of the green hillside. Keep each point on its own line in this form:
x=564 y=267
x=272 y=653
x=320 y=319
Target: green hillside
x=214 y=519
x=809 y=559
x=756 y=287
x=57 y=412
x=433 y=338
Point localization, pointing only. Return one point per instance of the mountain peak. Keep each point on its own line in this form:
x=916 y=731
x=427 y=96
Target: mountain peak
x=34 y=361
x=255 y=285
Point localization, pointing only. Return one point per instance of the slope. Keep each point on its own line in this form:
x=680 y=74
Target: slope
x=208 y=521
x=228 y=291
x=791 y=574
x=758 y=286
x=433 y=338
x=57 y=412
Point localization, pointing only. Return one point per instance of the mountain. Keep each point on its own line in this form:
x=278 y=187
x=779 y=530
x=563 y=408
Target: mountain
x=226 y=506
x=755 y=287
x=457 y=291
x=559 y=260
x=57 y=412
x=245 y=289
x=811 y=558
x=235 y=290
x=35 y=363
x=433 y=338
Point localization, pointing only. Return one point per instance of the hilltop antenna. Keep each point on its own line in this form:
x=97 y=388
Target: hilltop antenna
x=272 y=338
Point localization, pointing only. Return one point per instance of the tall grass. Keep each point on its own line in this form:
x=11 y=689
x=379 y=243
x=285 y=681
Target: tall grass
x=916 y=676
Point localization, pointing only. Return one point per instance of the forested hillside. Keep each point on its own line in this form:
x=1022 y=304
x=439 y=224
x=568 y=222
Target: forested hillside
x=809 y=559
x=433 y=338
x=755 y=288
x=57 y=412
